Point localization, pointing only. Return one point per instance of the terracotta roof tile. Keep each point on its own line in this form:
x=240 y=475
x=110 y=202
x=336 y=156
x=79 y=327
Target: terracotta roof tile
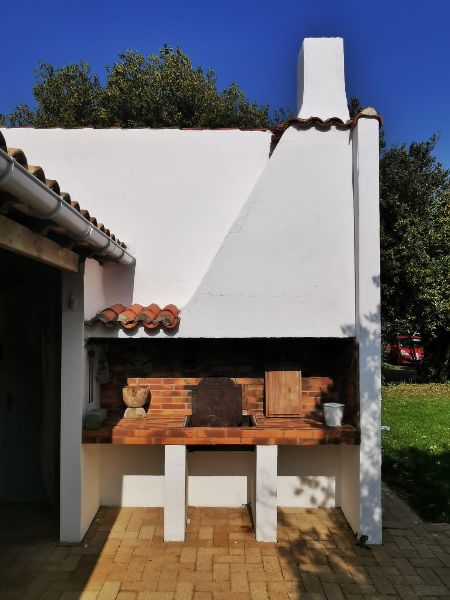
x=38 y=172
x=53 y=185
x=18 y=154
x=108 y=316
x=168 y=317
x=147 y=316
x=129 y=317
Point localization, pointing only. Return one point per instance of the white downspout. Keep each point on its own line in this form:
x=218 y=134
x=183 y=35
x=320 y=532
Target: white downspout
x=46 y=204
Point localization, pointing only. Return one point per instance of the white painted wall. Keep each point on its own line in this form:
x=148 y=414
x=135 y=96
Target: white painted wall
x=349 y=490
x=131 y=475
x=90 y=484
x=289 y=254
x=274 y=260
x=219 y=478
x=286 y=268
x=309 y=476
x=106 y=285
x=171 y=195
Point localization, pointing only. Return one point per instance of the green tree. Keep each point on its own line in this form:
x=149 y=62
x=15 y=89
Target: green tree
x=415 y=243
x=65 y=97
x=162 y=90
x=354 y=106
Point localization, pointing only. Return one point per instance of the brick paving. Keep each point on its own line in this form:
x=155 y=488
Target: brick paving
x=123 y=556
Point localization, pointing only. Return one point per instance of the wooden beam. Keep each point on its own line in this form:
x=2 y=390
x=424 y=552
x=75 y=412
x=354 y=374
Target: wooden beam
x=19 y=239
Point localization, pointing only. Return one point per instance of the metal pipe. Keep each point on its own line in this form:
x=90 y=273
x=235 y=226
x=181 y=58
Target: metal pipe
x=46 y=204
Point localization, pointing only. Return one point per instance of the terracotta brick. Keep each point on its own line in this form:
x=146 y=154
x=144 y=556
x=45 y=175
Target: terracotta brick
x=142 y=381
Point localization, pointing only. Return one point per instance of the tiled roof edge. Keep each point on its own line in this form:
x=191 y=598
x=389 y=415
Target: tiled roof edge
x=366 y=113
x=37 y=171
x=128 y=317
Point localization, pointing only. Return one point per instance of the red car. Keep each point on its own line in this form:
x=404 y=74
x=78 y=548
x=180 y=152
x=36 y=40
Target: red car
x=406 y=349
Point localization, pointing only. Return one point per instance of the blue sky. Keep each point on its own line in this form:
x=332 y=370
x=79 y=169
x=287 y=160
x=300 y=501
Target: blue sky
x=397 y=51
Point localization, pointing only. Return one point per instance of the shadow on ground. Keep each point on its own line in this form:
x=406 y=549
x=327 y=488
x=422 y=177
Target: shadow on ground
x=422 y=478
x=398 y=374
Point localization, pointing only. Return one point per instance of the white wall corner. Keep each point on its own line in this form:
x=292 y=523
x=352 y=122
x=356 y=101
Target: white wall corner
x=368 y=321
x=321 y=79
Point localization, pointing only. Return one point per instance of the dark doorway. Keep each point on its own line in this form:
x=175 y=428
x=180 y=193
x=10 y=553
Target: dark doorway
x=30 y=351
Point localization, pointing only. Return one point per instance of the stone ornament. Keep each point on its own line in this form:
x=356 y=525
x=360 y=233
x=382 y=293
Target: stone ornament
x=135 y=397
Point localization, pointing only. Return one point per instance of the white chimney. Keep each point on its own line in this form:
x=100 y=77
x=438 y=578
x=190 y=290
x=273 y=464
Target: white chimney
x=321 y=80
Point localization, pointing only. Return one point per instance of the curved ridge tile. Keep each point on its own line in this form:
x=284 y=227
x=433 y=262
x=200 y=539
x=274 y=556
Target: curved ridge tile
x=323 y=124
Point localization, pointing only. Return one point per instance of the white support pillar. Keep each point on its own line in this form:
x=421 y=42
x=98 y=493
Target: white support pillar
x=175 y=496
x=72 y=393
x=265 y=498
x=368 y=321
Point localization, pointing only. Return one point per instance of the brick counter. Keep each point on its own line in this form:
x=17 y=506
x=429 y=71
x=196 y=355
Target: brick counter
x=158 y=430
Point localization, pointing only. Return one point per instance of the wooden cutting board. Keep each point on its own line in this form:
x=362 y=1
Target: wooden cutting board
x=283 y=391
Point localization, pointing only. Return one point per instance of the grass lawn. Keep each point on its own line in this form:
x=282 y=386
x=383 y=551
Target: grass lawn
x=416 y=452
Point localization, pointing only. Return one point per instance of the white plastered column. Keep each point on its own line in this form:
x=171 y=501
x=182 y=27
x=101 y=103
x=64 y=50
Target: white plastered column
x=265 y=493
x=368 y=321
x=72 y=392
x=175 y=493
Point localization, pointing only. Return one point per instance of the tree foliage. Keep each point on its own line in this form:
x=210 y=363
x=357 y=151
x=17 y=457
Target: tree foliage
x=162 y=90
x=415 y=243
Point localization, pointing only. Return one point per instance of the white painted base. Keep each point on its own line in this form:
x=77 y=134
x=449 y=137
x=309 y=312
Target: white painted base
x=309 y=476
x=175 y=497
x=305 y=477
x=219 y=479
x=264 y=503
x=90 y=485
x=132 y=476
x=349 y=486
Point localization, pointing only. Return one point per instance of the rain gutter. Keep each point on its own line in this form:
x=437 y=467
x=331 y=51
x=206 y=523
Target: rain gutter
x=46 y=204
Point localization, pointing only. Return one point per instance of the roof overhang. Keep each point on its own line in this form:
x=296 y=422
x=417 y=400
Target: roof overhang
x=37 y=205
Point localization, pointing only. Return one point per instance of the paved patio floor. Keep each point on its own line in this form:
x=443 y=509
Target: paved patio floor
x=124 y=557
